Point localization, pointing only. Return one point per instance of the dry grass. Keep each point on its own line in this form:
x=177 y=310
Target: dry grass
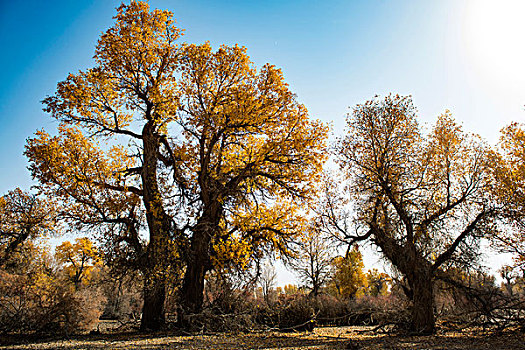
x=322 y=338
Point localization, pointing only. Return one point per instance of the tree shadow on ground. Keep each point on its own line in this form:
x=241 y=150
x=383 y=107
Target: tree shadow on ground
x=169 y=341
x=336 y=338
x=442 y=342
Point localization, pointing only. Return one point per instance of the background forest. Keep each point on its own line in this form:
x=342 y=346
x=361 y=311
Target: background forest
x=184 y=170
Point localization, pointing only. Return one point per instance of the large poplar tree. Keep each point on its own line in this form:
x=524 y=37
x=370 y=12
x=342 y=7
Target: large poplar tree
x=422 y=199
x=179 y=155
x=252 y=154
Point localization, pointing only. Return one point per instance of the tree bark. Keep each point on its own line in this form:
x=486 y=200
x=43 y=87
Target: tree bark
x=192 y=295
x=199 y=260
x=423 y=320
x=153 y=308
x=419 y=274
x=157 y=260
x=155 y=278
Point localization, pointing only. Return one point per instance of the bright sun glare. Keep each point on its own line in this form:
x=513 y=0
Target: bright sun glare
x=495 y=39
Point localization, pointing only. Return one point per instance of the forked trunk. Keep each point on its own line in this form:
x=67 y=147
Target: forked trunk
x=419 y=274
x=199 y=261
x=193 y=286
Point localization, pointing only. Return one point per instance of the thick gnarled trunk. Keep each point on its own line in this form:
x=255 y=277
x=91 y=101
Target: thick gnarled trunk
x=157 y=259
x=199 y=260
x=153 y=308
x=155 y=281
x=419 y=274
x=192 y=294
x=423 y=320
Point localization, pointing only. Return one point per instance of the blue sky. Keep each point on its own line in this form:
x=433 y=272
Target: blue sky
x=334 y=54
x=462 y=55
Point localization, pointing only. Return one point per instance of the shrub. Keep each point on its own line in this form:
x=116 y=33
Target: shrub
x=37 y=298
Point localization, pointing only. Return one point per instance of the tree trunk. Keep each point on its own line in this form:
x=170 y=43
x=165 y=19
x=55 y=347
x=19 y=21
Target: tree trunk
x=315 y=289
x=192 y=294
x=199 y=258
x=419 y=275
x=159 y=224
x=155 y=276
x=153 y=308
x=423 y=321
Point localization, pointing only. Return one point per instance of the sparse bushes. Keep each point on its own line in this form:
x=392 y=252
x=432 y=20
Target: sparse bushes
x=474 y=300
x=123 y=294
x=42 y=303
x=300 y=311
x=230 y=305
x=36 y=297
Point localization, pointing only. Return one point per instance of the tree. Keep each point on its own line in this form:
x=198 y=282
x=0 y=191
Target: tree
x=509 y=277
x=23 y=216
x=348 y=278
x=267 y=280
x=424 y=201
x=313 y=259
x=35 y=298
x=378 y=283
x=202 y=151
x=509 y=190
x=252 y=154
x=79 y=259
x=129 y=94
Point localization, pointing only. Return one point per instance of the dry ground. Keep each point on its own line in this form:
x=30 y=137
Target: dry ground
x=322 y=338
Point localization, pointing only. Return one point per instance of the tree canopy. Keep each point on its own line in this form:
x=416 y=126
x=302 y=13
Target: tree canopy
x=171 y=149
x=422 y=199
x=509 y=190
x=23 y=217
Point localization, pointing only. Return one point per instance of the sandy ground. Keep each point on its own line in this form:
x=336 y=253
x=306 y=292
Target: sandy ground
x=322 y=338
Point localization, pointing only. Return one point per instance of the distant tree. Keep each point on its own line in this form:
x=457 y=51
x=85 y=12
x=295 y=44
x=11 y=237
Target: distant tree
x=348 y=278
x=122 y=291
x=267 y=281
x=313 y=258
x=378 y=283
x=35 y=298
x=290 y=289
x=23 y=217
x=507 y=274
x=79 y=259
x=423 y=200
